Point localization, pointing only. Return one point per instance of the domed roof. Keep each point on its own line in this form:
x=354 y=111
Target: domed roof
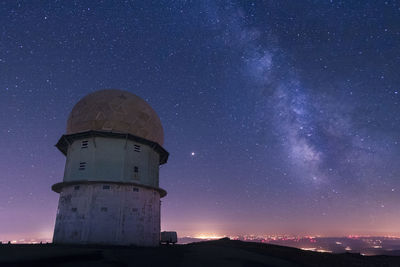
x=118 y=111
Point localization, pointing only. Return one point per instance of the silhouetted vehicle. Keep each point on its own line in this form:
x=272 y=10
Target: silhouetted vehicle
x=168 y=237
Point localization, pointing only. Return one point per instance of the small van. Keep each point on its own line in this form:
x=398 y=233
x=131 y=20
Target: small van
x=168 y=237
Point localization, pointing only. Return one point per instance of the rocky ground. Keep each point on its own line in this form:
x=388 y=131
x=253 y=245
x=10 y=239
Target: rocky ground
x=222 y=252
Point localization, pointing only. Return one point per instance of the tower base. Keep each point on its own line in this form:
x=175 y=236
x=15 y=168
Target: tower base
x=112 y=214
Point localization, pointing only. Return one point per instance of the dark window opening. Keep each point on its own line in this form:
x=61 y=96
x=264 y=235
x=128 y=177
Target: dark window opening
x=82 y=165
x=136 y=169
x=74 y=209
x=106 y=187
x=134 y=209
x=103 y=209
x=136 y=148
x=85 y=144
x=135 y=189
x=76 y=187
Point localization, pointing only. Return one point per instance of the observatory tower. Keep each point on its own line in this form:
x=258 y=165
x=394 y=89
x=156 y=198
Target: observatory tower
x=110 y=193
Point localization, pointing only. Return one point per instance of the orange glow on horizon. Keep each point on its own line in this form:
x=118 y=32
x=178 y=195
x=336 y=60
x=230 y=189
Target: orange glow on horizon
x=208 y=236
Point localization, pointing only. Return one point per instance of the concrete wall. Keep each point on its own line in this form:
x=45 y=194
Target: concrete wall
x=120 y=215
x=112 y=159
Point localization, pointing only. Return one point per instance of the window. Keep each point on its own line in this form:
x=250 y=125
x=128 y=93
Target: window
x=76 y=187
x=135 y=189
x=82 y=165
x=85 y=144
x=136 y=148
x=74 y=209
x=136 y=173
x=134 y=209
x=106 y=187
x=104 y=209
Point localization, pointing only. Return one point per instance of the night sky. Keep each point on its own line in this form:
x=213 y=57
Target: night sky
x=280 y=117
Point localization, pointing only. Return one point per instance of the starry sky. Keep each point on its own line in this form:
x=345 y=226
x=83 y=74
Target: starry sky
x=281 y=117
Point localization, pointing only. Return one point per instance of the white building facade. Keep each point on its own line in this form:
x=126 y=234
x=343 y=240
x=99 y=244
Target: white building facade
x=110 y=193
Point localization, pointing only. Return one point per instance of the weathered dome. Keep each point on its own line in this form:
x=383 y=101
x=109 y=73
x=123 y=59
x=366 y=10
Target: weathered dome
x=118 y=111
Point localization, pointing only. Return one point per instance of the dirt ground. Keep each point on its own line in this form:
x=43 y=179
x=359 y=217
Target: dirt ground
x=211 y=253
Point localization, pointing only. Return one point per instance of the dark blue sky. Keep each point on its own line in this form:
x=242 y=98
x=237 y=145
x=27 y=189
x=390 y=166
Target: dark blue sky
x=291 y=108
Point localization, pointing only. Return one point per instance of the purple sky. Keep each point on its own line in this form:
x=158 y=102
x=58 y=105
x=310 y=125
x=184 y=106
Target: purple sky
x=290 y=107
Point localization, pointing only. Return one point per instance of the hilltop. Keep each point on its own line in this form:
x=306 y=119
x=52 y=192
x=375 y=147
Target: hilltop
x=223 y=252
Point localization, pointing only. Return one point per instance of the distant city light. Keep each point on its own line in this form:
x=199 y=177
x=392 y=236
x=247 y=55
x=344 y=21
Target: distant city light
x=208 y=236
